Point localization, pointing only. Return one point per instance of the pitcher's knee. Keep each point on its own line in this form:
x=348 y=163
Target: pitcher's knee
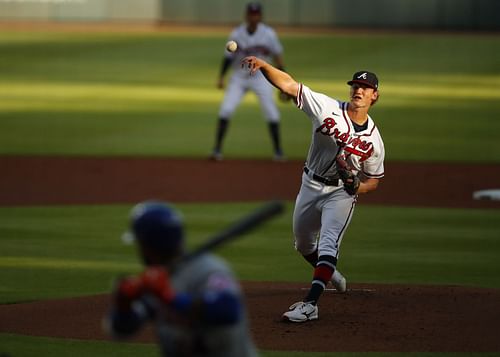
x=305 y=247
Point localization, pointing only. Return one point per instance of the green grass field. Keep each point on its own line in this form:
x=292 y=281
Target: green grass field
x=104 y=93
x=38 y=346
x=80 y=246
x=147 y=94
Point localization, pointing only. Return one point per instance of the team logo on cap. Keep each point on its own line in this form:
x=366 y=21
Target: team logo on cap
x=362 y=75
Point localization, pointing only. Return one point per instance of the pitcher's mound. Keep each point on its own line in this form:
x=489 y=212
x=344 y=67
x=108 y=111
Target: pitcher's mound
x=369 y=317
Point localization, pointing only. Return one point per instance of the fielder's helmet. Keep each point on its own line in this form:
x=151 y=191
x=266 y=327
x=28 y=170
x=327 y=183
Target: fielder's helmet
x=157 y=225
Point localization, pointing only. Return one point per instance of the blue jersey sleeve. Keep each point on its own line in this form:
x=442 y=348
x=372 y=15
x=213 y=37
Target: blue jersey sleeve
x=221 y=308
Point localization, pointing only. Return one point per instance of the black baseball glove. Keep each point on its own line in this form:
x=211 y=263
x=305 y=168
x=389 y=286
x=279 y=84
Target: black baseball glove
x=350 y=180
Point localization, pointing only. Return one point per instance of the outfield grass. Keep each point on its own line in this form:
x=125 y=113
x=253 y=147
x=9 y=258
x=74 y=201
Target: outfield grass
x=154 y=94
x=50 y=252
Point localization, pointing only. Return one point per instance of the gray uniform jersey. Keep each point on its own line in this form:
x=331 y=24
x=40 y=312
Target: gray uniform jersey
x=206 y=273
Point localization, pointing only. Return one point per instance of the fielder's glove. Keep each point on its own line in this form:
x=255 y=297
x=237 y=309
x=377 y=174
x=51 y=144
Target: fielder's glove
x=350 y=180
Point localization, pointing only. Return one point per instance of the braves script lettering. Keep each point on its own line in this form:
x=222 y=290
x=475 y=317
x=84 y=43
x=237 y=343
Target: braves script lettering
x=352 y=144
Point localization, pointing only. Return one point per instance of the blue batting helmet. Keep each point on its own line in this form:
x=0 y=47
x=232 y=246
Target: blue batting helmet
x=157 y=225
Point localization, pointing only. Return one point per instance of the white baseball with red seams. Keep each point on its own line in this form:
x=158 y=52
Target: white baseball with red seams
x=231 y=46
x=332 y=131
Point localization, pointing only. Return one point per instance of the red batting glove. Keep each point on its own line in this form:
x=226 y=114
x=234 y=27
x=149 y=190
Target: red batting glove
x=126 y=291
x=156 y=281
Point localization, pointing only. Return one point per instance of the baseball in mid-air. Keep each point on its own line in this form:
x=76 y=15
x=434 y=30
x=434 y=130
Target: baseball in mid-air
x=231 y=46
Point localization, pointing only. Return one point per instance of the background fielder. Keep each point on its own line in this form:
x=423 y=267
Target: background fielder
x=346 y=157
x=258 y=39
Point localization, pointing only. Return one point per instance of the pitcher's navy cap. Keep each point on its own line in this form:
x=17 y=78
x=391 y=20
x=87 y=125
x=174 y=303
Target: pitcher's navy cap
x=364 y=77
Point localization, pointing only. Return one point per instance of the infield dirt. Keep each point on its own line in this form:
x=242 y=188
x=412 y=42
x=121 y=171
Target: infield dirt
x=43 y=180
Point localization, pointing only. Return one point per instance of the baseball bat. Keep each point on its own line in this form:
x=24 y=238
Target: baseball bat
x=239 y=228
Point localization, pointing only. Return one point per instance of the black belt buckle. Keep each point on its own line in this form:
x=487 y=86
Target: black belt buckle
x=323 y=180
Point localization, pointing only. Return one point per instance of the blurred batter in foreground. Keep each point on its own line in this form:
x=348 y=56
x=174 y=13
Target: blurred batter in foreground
x=196 y=306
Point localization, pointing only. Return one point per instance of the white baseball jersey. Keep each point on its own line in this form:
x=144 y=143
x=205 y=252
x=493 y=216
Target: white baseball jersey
x=333 y=129
x=265 y=44
x=327 y=209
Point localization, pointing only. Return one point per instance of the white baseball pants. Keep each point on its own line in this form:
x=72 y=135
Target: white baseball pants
x=239 y=85
x=323 y=210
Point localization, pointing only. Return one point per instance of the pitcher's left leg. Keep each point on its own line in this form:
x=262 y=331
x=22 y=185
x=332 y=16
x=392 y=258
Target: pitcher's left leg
x=336 y=216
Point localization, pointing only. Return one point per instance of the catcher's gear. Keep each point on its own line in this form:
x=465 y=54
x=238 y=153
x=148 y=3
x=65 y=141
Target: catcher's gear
x=350 y=180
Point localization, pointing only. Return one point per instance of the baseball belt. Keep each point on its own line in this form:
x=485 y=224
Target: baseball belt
x=333 y=181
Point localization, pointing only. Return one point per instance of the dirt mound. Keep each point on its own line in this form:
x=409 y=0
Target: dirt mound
x=369 y=317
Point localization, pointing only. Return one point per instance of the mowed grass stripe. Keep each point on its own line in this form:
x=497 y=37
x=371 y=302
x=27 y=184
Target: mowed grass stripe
x=154 y=93
x=68 y=97
x=79 y=247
